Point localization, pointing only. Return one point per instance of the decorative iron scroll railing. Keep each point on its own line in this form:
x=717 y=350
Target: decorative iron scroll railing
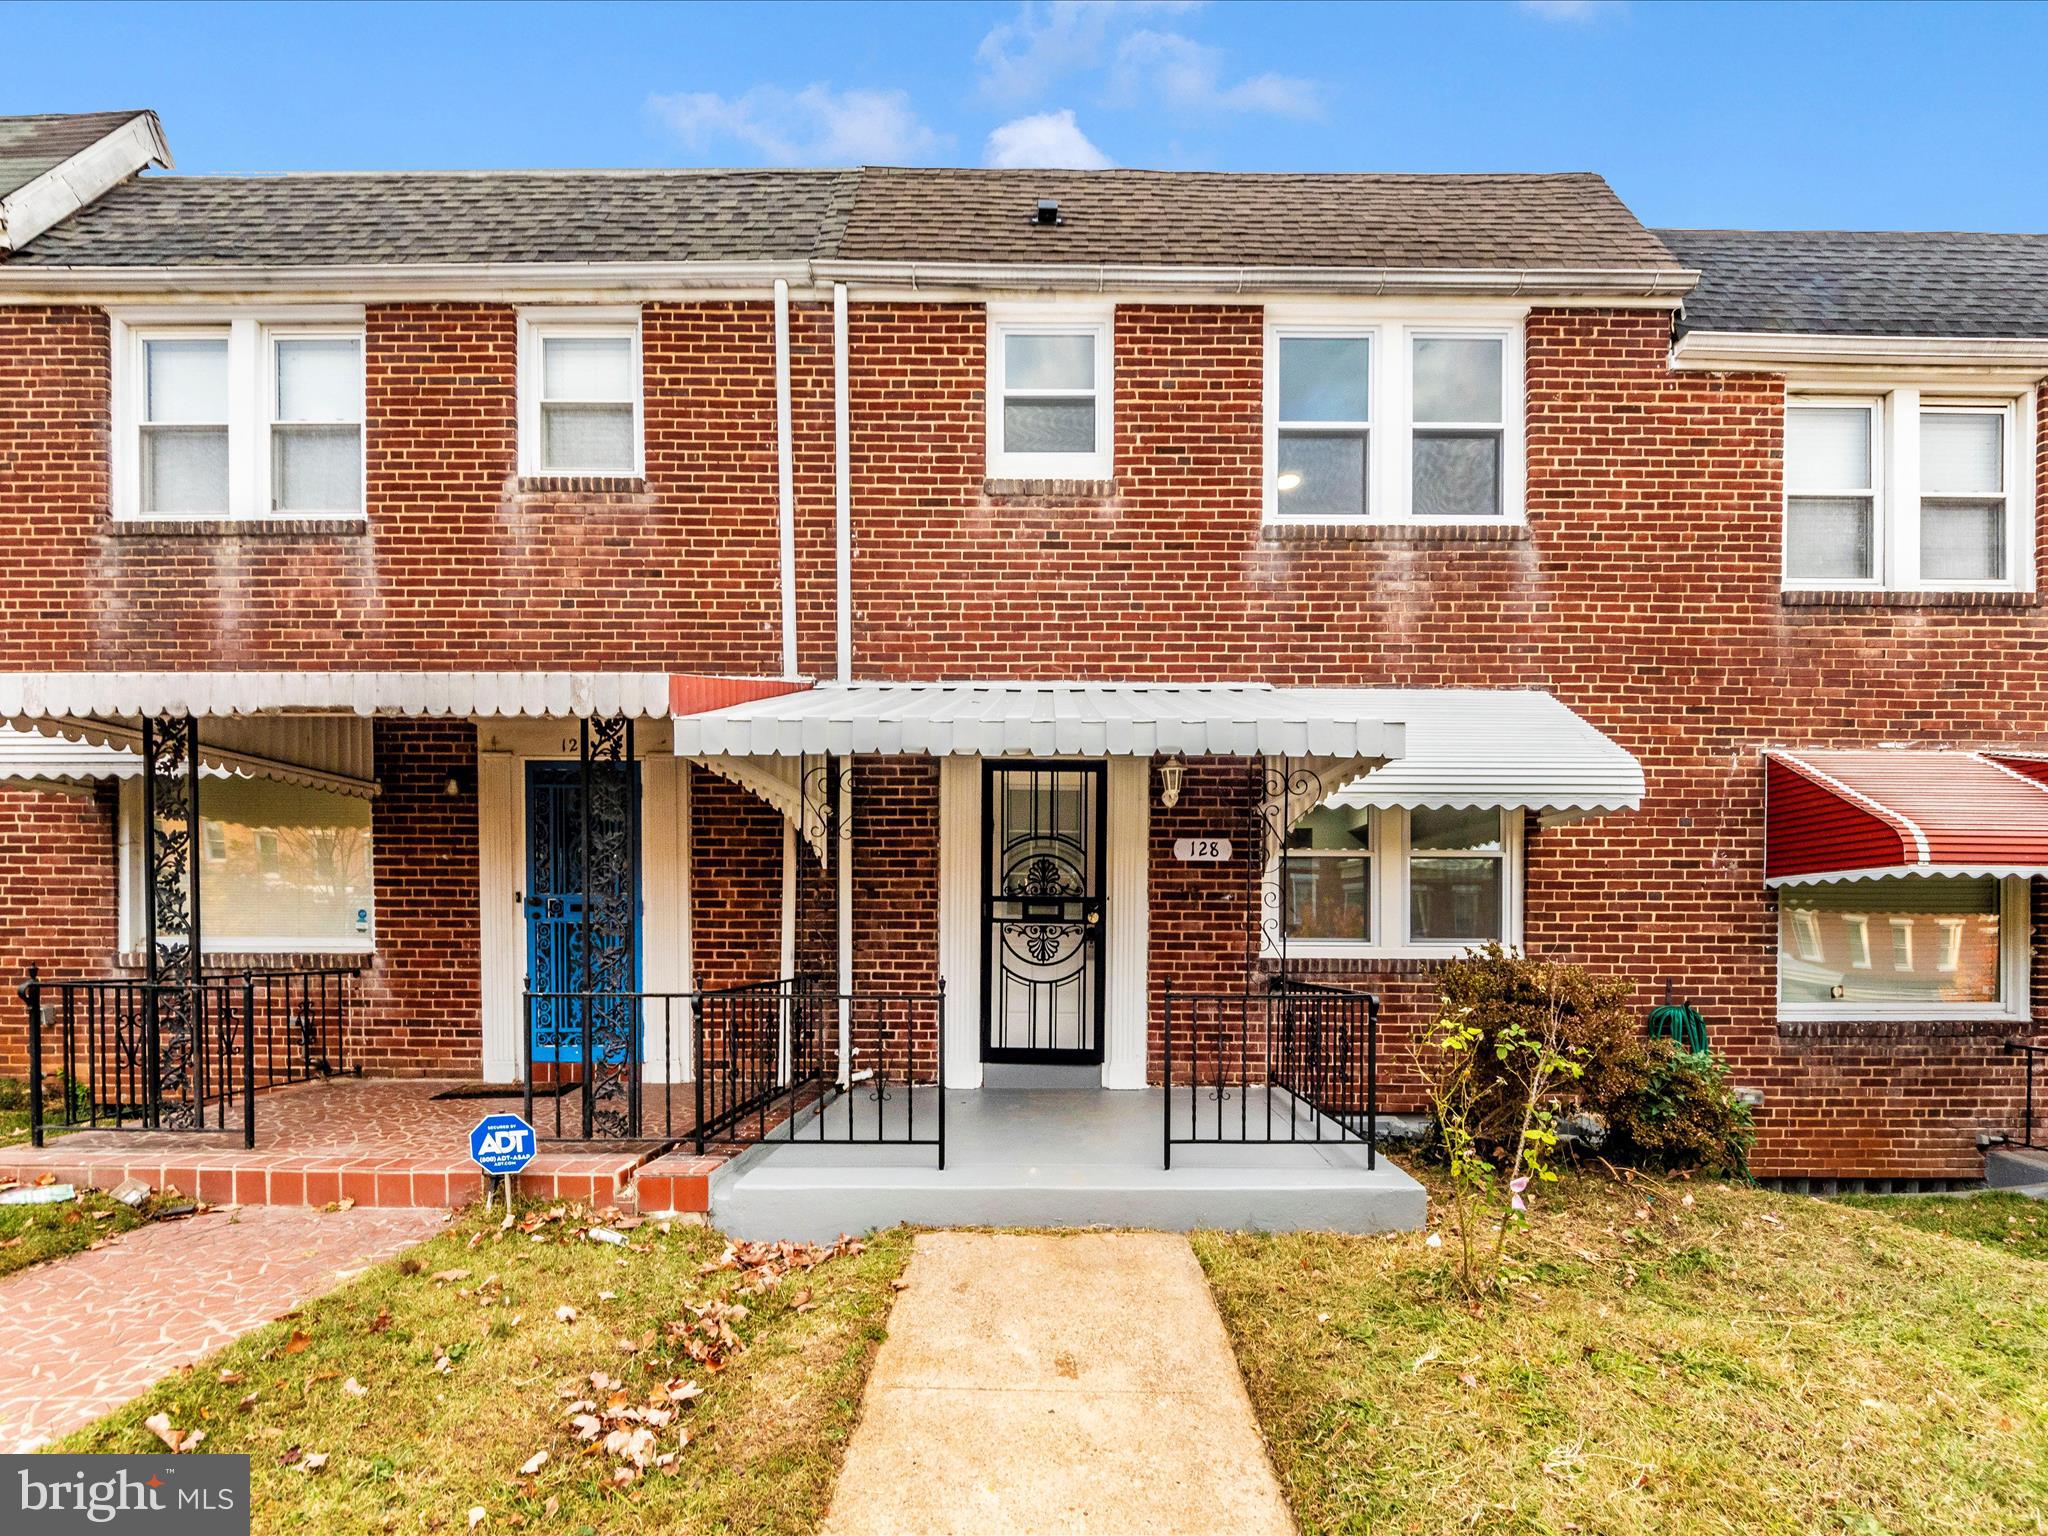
x=793 y=1059
x=101 y=1044
x=1297 y=1063
x=2033 y=1055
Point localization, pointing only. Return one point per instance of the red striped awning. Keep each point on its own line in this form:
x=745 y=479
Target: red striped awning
x=1859 y=815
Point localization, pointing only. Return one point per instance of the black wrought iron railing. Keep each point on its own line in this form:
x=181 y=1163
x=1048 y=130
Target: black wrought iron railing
x=610 y=1066
x=2034 y=1055
x=1298 y=1062
x=791 y=1059
x=127 y=1054
x=796 y=1059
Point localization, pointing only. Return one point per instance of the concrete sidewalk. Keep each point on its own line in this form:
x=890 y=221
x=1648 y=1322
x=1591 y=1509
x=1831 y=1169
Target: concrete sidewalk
x=1072 y=1383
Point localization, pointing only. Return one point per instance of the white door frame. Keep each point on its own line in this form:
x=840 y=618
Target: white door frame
x=1126 y=914
x=504 y=748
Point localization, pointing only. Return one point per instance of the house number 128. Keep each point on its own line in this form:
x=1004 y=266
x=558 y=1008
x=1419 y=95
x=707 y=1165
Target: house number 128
x=1202 y=850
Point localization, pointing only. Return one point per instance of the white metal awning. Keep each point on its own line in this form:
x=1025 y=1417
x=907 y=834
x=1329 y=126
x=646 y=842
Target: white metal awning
x=1049 y=720
x=1504 y=748
x=331 y=752
x=25 y=695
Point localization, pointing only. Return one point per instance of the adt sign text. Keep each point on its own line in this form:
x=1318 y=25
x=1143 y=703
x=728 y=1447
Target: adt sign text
x=501 y=1144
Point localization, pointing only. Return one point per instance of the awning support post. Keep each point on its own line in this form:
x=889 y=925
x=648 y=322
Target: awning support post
x=170 y=819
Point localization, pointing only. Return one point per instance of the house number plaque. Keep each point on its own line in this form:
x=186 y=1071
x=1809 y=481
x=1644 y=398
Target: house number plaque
x=1202 y=850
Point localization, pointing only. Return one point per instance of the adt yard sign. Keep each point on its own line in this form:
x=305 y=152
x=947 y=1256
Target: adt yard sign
x=501 y=1144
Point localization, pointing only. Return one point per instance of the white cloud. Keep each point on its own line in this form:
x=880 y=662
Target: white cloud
x=1043 y=43
x=814 y=126
x=1045 y=139
x=1570 y=12
x=1188 y=77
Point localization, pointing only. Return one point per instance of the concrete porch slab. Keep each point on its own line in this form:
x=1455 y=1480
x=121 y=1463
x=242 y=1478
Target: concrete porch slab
x=1051 y=1158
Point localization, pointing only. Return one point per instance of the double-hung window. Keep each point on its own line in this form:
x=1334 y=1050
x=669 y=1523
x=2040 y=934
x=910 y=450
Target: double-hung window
x=1372 y=420
x=316 y=424
x=1906 y=491
x=1050 y=393
x=580 y=394
x=246 y=418
x=1381 y=881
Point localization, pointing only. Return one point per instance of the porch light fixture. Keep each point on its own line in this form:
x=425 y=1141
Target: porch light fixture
x=457 y=784
x=1170 y=773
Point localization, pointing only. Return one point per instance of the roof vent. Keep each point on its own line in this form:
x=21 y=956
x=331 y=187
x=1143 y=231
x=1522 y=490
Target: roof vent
x=1048 y=211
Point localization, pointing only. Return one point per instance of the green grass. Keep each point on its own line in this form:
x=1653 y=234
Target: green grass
x=1747 y=1363
x=30 y=1234
x=2009 y=1223
x=419 y=1446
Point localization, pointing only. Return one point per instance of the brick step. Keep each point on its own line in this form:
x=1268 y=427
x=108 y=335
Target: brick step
x=647 y=1179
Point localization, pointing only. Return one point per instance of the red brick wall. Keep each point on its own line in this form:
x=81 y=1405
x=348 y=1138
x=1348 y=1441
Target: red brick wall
x=1645 y=595
x=735 y=883
x=461 y=565
x=419 y=1004
x=57 y=898
x=896 y=911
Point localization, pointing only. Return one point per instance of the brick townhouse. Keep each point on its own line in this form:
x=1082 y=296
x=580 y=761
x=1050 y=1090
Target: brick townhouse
x=709 y=638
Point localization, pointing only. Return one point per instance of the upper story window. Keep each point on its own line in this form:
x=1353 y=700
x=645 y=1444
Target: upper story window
x=1426 y=881
x=1375 y=420
x=580 y=393
x=1050 y=392
x=1906 y=491
x=243 y=418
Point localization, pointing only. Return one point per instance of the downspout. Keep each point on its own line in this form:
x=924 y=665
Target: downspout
x=842 y=608
x=842 y=488
x=785 y=479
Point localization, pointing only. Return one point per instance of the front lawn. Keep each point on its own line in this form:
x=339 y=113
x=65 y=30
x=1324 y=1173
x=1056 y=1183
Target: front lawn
x=430 y=1387
x=1742 y=1362
x=29 y=1234
x=2009 y=1223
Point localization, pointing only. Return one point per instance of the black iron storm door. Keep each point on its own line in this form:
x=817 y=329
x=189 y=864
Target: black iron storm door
x=1042 y=912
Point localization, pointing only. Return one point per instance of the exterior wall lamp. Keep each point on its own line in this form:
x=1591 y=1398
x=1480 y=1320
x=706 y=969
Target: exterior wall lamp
x=1170 y=774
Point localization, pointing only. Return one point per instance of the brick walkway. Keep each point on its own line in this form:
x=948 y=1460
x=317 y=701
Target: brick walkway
x=85 y=1334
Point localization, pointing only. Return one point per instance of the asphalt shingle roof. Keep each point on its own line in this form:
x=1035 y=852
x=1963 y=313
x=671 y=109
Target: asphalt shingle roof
x=1152 y=218
x=1830 y=282
x=460 y=217
x=29 y=146
x=1204 y=218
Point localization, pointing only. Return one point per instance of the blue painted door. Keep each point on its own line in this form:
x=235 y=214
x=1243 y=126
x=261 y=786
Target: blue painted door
x=555 y=901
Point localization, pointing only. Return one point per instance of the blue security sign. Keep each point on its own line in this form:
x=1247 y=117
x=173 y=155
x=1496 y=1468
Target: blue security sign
x=501 y=1144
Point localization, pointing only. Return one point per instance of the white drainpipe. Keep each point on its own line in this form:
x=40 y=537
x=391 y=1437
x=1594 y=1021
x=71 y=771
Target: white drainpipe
x=842 y=489
x=785 y=479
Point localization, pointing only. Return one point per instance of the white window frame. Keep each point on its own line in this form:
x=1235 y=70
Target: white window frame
x=1390 y=439
x=1895 y=476
x=268 y=422
x=1007 y=320
x=129 y=918
x=536 y=326
x=1390 y=938
x=2015 y=923
x=251 y=335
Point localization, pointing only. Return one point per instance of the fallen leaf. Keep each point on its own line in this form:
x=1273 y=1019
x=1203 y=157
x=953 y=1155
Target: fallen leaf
x=566 y=1313
x=230 y=1378
x=159 y=1424
x=476 y=1516
x=355 y=1388
x=533 y=1463
x=313 y=1461
x=296 y=1344
x=345 y=1203
x=247 y=1404
x=381 y=1321
x=449 y=1276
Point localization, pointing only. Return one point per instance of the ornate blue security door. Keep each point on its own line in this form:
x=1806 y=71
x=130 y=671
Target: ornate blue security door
x=583 y=898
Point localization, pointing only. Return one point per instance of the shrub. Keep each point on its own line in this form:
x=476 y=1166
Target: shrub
x=1664 y=1107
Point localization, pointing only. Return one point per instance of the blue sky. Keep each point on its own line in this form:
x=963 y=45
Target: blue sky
x=1847 y=116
